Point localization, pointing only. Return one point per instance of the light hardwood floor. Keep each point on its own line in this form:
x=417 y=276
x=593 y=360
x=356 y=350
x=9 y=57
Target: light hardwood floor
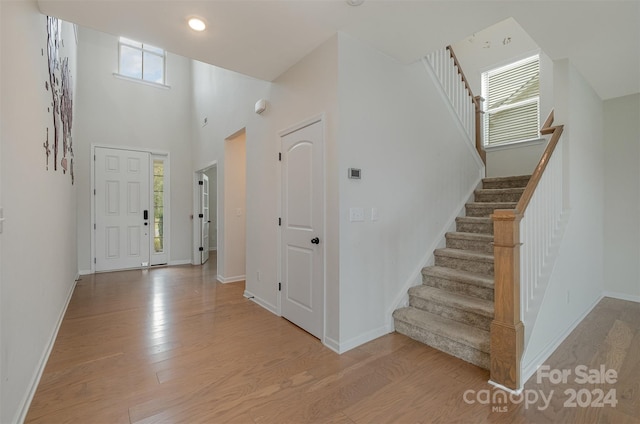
x=170 y=345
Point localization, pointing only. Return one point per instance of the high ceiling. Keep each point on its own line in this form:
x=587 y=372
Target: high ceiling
x=263 y=38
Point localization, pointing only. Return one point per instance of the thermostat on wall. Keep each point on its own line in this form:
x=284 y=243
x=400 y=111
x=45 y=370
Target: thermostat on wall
x=355 y=173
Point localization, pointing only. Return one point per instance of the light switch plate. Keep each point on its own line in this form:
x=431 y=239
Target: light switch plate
x=356 y=214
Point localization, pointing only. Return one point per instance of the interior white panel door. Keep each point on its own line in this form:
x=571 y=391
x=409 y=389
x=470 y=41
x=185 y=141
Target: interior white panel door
x=204 y=218
x=121 y=208
x=302 y=256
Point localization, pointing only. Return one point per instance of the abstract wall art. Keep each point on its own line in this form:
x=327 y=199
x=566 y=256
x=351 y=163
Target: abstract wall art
x=59 y=140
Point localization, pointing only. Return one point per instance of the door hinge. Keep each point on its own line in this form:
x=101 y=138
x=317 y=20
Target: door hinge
x=94 y=191
x=279 y=286
x=94 y=260
x=94 y=226
x=279 y=222
x=200 y=182
x=201 y=249
x=280 y=156
x=94 y=158
x=200 y=215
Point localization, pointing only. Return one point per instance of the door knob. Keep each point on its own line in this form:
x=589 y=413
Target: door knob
x=315 y=240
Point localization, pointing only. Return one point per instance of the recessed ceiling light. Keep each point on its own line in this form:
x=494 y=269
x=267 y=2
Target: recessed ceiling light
x=197 y=24
x=355 y=2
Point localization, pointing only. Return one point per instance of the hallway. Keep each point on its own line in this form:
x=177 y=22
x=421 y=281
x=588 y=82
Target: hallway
x=173 y=345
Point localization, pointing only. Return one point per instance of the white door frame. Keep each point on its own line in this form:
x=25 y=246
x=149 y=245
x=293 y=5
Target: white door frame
x=195 y=254
x=92 y=237
x=307 y=122
x=205 y=220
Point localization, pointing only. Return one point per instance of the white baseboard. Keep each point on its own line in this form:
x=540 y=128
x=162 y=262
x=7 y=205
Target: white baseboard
x=622 y=296
x=180 y=262
x=226 y=280
x=266 y=305
x=332 y=344
x=358 y=340
x=212 y=249
x=33 y=386
x=85 y=272
x=527 y=370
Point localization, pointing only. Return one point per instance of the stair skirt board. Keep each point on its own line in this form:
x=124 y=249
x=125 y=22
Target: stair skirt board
x=452 y=309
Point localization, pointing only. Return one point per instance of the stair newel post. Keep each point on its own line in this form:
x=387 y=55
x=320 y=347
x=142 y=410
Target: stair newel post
x=478 y=100
x=507 y=330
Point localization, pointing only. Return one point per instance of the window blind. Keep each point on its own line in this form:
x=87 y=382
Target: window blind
x=512 y=96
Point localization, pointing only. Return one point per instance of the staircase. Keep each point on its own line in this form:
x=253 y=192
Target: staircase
x=452 y=310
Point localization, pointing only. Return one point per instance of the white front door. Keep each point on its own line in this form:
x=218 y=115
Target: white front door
x=302 y=256
x=204 y=218
x=121 y=209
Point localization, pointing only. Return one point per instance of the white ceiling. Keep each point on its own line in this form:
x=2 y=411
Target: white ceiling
x=263 y=38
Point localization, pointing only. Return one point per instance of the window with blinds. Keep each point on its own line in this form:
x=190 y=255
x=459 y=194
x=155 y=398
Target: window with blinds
x=512 y=100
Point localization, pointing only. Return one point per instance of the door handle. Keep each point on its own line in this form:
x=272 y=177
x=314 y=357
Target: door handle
x=315 y=240
x=145 y=215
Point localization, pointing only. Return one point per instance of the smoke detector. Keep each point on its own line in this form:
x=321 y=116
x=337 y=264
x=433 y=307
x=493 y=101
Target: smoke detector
x=354 y=2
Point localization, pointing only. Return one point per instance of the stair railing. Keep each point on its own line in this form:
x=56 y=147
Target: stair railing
x=444 y=64
x=525 y=242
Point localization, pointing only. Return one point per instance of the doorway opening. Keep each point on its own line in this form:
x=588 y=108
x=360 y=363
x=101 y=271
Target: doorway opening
x=226 y=235
x=130 y=209
x=205 y=217
x=232 y=259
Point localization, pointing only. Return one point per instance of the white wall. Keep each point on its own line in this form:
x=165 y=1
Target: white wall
x=226 y=99
x=307 y=89
x=235 y=205
x=212 y=173
x=622 y=197
x=577 y=280
x=417 y=170
x=515 y=159
x=119 y=113
x=38 y=239
x=381 y=116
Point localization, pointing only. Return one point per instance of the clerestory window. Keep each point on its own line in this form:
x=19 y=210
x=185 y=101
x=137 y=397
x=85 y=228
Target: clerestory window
x=141 y=61
x=512 y=102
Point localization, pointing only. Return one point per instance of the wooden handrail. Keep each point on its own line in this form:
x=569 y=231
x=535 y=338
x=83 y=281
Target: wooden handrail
x=507 y=329
x=546 y=127
x=477 y=102
x=555 y=132
x=464 y=78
